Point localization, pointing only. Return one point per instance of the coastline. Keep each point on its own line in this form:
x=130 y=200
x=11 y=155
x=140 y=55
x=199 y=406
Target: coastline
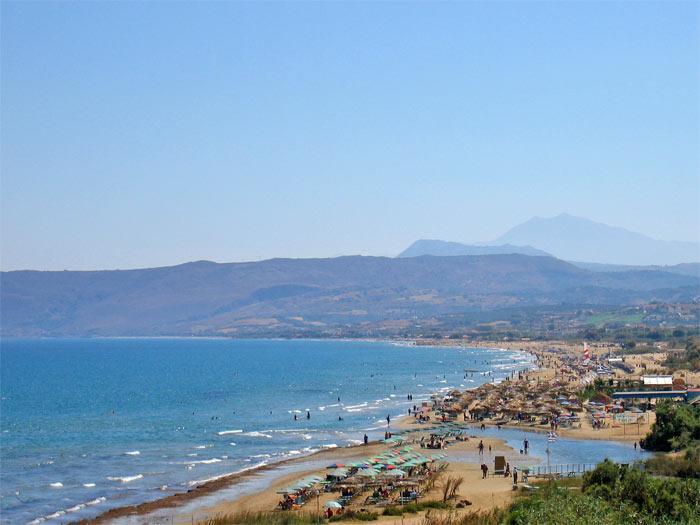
x=210 y=486
x=196 y=501
x=400 y=423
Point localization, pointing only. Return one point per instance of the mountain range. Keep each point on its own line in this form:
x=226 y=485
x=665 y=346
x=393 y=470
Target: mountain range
x=282 y=296
x=572 y=239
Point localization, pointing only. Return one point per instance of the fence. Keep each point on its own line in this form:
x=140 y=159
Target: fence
x=562 y=470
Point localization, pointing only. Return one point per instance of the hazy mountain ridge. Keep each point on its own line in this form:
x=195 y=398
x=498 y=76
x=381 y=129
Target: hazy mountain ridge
x=578 y=239
x=438 y=247
x=211 y=298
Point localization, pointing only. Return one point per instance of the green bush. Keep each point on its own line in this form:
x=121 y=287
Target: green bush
x=666 y=500
x=685 y=466
x=677 y=426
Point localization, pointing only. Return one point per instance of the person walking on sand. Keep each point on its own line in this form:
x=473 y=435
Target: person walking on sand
x=481 y=447
x=515 y=475
x=484 y=470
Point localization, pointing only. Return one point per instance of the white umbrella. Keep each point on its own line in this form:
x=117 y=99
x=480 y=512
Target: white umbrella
x=333 y=505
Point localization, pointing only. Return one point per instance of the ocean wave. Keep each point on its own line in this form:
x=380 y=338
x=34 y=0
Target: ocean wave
x=203 y=461
x=227 y=432
x=133 y=453
x=88 y=485
x=329 y=445
x=56 y=485
x=75 y=508
x=255 y=433
x=361 y=405
x=125 y=479
x=220 y=476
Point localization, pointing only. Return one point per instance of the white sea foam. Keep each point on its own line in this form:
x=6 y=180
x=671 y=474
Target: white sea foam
x=203 y=461
x=227 y=432
x=232 y=444
x=200 y=447
x=255 y=433
x=330 y=445
x=88 y=485
x=207 y=480
x=356 y=406
x=57 y=485
x=75 y=508
x=125 y=479
x=133 y=453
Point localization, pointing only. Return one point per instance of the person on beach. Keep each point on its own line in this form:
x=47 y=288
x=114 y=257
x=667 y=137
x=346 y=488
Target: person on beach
x=484 y=470
x=635 y=446
x=366 y=439
x=481 y=447
x=526 y=445
x=515 y=475
x=489 y=449
x=507 y=472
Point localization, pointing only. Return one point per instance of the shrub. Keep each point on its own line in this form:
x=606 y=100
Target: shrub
x=677 y=426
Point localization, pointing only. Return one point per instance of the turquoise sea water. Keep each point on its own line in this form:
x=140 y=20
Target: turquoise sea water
x=91 y=424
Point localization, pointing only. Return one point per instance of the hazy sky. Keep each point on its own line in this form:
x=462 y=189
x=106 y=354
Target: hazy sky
x=143 y=134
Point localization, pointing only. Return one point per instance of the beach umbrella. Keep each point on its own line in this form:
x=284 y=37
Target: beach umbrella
x=333 y=505
x=394 y=474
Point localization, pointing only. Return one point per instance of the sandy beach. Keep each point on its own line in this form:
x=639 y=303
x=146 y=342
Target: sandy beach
x=482 y=494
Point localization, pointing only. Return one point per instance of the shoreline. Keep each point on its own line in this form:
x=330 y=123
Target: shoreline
x=401 y=423
x=206 y=488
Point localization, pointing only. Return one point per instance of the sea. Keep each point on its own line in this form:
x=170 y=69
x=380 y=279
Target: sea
x=91 y=424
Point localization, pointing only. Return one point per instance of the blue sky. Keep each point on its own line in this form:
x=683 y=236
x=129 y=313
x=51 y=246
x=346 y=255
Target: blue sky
x=144 y=134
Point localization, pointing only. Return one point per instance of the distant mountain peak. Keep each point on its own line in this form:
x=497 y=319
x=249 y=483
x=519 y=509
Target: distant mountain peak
x=579 y=239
